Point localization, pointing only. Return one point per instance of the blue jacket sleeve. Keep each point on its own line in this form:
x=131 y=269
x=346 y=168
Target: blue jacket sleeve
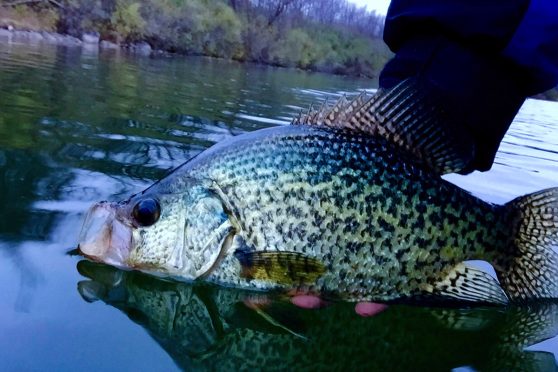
x=534 y=45
x=481 y=57
x=523 y=31
x=483 y=23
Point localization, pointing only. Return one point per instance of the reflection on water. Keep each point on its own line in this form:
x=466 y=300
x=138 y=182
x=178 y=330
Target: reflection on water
x=77 y=128
x=527 y=159
x=210 y=328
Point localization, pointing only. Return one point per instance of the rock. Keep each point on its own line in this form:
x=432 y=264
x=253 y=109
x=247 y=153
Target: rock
x=140 y=48
x=32 y=36
x=50 y=38
x=104 y=44
x=36 y=37
x=10 y=28
x=90 y=38
x=70 y=40
x=58 y=39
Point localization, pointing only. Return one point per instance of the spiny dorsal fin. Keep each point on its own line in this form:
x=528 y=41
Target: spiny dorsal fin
x=331 y=116
x=290 y=268
x=465 y=283
x=408 y=116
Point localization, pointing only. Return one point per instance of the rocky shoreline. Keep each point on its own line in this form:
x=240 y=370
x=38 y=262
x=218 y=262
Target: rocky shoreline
x=92 y=42
x=88 y=40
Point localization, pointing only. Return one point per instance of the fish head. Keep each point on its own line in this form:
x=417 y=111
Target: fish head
x=162 y=231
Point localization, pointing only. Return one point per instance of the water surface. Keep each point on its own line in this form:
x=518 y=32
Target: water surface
x=78 y=126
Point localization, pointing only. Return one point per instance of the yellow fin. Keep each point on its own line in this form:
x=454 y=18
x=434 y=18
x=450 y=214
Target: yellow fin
x=290 y=268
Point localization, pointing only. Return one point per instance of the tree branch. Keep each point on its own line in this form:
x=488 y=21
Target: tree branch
x=21 y=2
x=281 y=7
x=57 y=3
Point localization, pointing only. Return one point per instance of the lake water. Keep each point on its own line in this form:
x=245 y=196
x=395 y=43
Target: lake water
x=77 y=126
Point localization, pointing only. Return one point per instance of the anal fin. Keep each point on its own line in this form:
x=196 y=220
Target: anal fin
x=465 y=283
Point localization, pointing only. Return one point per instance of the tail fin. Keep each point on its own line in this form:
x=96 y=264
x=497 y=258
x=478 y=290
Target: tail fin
x=529 y=270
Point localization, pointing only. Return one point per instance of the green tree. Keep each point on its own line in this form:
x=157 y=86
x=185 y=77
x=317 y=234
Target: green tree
x=127 y=20
x=326 y=35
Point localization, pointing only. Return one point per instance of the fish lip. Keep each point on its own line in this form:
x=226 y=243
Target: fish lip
x=91 y=291
x=85 y=255
x=104 y=237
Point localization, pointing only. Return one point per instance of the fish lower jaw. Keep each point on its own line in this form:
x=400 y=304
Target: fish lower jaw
x=112 y=260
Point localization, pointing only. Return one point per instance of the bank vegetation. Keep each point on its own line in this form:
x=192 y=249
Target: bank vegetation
x=323 y=35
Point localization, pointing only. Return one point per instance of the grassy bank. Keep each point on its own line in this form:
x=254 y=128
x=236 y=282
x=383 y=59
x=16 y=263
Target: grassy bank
x=320 y=35
x=331 y=36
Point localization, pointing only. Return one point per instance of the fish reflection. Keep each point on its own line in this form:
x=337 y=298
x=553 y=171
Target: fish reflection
x=208 y=328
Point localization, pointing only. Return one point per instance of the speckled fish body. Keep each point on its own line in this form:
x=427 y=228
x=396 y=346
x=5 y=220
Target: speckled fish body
x=344 y=213
x=381 y=226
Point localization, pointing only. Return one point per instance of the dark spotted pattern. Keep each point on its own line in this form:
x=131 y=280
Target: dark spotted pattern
x=383 y=227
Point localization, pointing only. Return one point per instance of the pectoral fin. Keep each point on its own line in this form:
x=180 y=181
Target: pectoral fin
x=276 y=323
x=464 y=283
x=289 y=268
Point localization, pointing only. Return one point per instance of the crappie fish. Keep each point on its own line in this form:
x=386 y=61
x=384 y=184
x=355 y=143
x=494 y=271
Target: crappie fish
x=348 y=204
x=209 y=328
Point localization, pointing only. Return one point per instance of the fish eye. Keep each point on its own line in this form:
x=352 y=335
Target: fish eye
x=146 y=212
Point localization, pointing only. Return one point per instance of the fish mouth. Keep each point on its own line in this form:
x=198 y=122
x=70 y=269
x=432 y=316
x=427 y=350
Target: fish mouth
x=102 y=281
x=103 y=237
